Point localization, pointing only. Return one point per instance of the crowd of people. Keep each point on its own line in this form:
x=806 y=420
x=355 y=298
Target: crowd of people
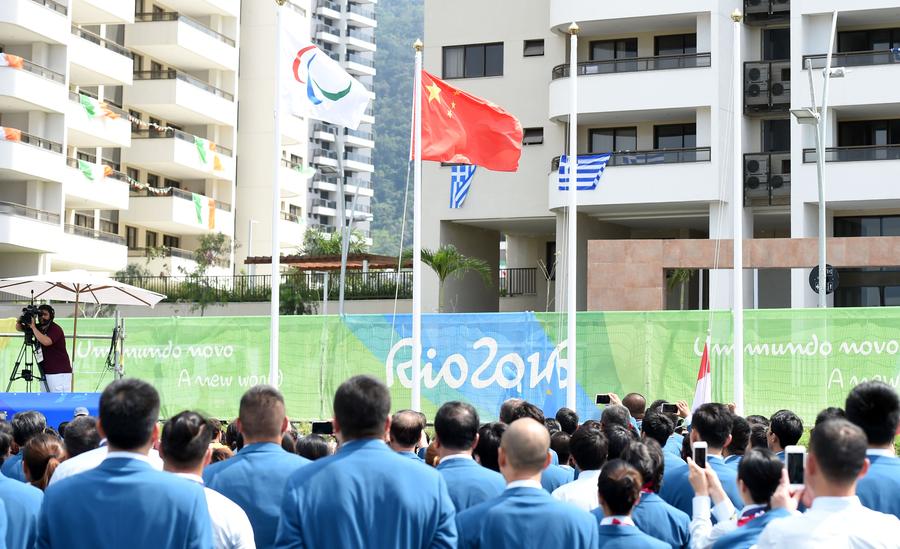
x=629 y=479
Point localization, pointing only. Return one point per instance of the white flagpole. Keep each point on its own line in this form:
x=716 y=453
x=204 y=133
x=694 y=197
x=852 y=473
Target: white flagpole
x=737 y=208
x=571 y=260
x=275 y=301
x=416 y=403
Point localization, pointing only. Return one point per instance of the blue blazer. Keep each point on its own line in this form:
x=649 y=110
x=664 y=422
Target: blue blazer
x=555 y=476
x=880 y=488
x=526 y=517
x=734 y=461
x=469 y=483
x=659 y=520
x=671 y=462
x=23 y=505
x=12 y=467
x=627 y=537
x=255 y=479
x=747 y=535
x=412 y=455
x=2 y=525
x=673 y=445
x=366 y=496
x=677 y=490
x=124 y=503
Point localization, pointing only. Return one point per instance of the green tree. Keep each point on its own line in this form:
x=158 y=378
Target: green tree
x=447 y=261
x=199 y=289
x=319 y=243
x=680 y=278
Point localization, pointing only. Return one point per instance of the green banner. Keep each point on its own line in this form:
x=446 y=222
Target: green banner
x=804 y=360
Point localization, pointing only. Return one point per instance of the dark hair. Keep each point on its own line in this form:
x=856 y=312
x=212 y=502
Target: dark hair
x=233 y=437
x=312 y=447
x=216 y=428
x=636 y=404
x=559 y=443
x=406 y=428
x=489 y=436
x=713 y=421
x=618 y=437
x=262 y=413
x=656 y=406
x=619 y=486
x=361 y=407
x=756 y=419
x=589 y=448
x=456 y=425
x=832 y=412
x=129 y=409
x=616 y=415
x=840 y=450
x=568 y=420
x=657 y=426
x=220 y=453
x=686 y=448
x=527 y=409
x=288 y=441
x=185 y=439
x=41 y=455
x=26 y=425
x=506 y=409
x=787 y=426
x=758 y=437
x=49 y=309
x=875 y=408
x=61 y=428
x=81 y=435
x=552 y=425
x=740 y=436
x=5 y=444
x=647 y=457
x=760 y=469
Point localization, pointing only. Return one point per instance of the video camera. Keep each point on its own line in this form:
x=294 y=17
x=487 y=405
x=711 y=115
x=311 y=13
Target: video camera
x=28 y=313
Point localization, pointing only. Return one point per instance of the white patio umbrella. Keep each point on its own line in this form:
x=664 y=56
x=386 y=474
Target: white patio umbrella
x=81 y=287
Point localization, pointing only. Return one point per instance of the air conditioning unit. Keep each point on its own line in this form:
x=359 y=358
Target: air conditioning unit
x=756 y=84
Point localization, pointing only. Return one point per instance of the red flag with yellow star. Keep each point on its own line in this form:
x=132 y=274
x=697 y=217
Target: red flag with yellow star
x=460 y=128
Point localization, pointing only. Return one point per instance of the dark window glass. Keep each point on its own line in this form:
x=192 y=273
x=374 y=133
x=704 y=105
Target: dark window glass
x=152 y=180
x=675 y=136
x=868 y=40
x=151 y=239
x=606 y=50
x=776 y=44
x=171 y=241
x=134 y=173
x=131 y=237
x=612 y=140
x=550 y=258
x=83 y=220
x=868 y=132
x=776 y=135
x=473 y=61
x=493 y=60
x=675 y=44
x=533 y=48
x=533 y=136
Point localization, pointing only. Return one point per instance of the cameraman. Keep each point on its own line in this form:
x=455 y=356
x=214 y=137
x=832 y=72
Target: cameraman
x=52 y=354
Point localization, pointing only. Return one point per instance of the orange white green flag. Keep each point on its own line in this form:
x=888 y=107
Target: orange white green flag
x=10 y=134
x=11 y=61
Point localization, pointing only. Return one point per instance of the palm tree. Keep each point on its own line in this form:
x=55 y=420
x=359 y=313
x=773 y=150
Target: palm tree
x=680 y=277
x=447 y=261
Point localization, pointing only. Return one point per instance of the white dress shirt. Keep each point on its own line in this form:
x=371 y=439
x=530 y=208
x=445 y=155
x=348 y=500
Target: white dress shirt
x=833 y=522
x=91 y=459
x=581 y=492
x=703 y=534
x=230 y=525
x=524 y=484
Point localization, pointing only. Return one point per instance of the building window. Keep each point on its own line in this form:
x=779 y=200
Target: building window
x=607 y=50
x=153 y=180
x=776 y=44
x=603 y=140
x=295 y=210
x=868 y=132
x=868 y=40
x=171 y=241
x=172 y=183
x=133 y=173
x=867 y=226
x=675 y=44
x=533 y=136
x=131 y=237
x=109 y=221
x=776 y=135
x=533 y=48
x=151 y=239
x=82 y=220
x=473 y=61
x=675 y=136
x=550 y=258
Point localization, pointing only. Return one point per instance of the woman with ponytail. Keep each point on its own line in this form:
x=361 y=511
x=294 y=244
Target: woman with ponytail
x=41 y=456
x=619 y=490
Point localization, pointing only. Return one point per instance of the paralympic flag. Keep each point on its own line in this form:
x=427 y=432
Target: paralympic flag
x=315 y=85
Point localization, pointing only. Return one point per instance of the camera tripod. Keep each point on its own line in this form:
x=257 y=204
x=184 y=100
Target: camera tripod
x=28 y=355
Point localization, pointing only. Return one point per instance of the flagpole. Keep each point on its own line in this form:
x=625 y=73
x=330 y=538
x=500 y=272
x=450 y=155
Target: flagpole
x=737 y=209
x=342 y=223
x=275 y=278
x=416 y=395
x=571 y=262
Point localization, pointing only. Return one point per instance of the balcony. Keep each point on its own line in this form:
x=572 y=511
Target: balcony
x=766 y=12
x=669 y=176
x=175 y=211
x=321 y=206
x=767 y=179
x=290 y=230
x=516 y=281
x=96 y=60
x=633 y=84
x=31 y=88
x=324 y=132
x=203 y=8
x=177 y=154
x=292 y=182
x=181 y=98
x=358 y=162
x=865 y=85
x=28 y=229
x=30 y=21
x=293 y=129
x=95 y=187
x=854 y=154
x=353 y=185
x=328 y=8
x=324 y=157
x=361 y=212
x=327 y=183
x=360 y=15
x=327 y=33
x=767 y=87
x=858 y=178
x=108 y=126
x=325 y=229
x=86 y=248
x=93 y=12
x=563 y=12
x=359 y=138
x=31 y=157
x=180 y=41
x=359 y=64
x=360 y=39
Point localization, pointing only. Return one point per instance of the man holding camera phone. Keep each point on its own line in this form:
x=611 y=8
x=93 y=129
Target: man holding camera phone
x=52 y=355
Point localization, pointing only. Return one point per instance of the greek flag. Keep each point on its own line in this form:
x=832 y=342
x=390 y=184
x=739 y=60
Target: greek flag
x=590 y=169
x=460 y=180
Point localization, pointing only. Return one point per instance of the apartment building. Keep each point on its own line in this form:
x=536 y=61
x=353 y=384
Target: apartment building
x=656 y=89
x=120 y=121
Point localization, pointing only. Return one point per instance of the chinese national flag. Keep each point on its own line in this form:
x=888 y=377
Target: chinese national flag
x=460 y=128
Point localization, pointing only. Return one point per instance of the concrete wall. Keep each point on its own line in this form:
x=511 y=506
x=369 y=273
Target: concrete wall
x=468 y=294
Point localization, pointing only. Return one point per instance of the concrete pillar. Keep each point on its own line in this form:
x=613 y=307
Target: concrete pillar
x=720 y=281
x=467 y=294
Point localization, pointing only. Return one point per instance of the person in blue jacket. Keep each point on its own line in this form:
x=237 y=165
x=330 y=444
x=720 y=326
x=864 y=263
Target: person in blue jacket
x=619 y=489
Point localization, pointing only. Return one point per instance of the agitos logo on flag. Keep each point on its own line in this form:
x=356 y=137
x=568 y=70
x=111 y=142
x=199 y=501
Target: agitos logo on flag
x=463 y=129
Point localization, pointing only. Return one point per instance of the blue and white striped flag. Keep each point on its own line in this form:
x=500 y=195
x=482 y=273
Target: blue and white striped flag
x=460 y=180
x=590 y=169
